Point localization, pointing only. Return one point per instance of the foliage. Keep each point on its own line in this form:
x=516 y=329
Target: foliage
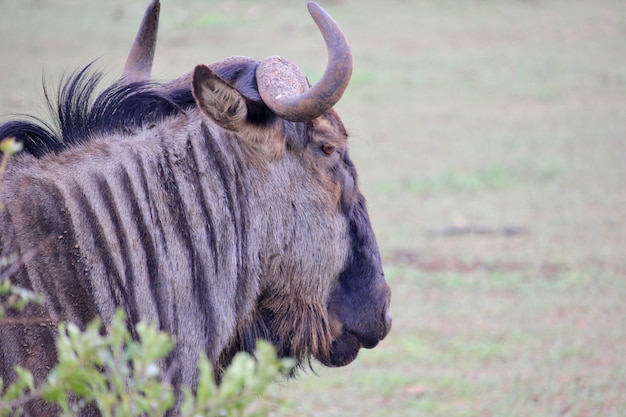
x=8 y=147
x=12 y=296
x=245 y=380
x=123 y=377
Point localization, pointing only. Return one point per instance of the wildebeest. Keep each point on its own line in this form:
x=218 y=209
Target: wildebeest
x=222 y=205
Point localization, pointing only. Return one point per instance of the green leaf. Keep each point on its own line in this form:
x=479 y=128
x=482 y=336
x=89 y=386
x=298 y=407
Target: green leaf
x=25 y=377
x=10 y=146
x=206 y=382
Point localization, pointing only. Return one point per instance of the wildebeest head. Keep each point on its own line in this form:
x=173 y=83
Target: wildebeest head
x=223 y=205
x=333 y=299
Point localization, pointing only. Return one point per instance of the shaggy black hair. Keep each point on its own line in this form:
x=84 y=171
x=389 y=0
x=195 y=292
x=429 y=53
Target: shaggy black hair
x=78 y=113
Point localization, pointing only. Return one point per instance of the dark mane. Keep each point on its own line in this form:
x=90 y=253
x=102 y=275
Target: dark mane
x=78 y=113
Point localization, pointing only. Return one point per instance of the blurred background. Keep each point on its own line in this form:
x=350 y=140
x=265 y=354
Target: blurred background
x=490 y=140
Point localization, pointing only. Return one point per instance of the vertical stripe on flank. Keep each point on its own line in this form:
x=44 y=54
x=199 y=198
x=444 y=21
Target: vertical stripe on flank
x=150 y=231
x=205 y=206
x=119 y=232
x=179 y=212
x=102 y=257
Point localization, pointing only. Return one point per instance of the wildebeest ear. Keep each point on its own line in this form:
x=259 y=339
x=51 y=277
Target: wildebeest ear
x=222 y=103
x=218 y=99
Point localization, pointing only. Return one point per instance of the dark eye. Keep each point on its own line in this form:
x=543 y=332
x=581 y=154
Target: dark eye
x=328 y=149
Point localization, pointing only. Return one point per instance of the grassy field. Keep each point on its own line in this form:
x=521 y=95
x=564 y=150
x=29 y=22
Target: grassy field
x=490 y=138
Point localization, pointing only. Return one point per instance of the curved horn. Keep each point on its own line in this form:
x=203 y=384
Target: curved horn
x=282 y=90
x=139 y=62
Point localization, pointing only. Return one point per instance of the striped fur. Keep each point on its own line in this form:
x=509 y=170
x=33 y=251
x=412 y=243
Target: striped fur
x=140 y=201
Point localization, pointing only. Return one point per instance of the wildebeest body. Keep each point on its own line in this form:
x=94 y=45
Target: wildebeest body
x=195 y=206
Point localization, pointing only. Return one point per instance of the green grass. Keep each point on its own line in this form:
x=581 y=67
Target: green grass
x=491 y=178
x=501 y=343
x=481 y=113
